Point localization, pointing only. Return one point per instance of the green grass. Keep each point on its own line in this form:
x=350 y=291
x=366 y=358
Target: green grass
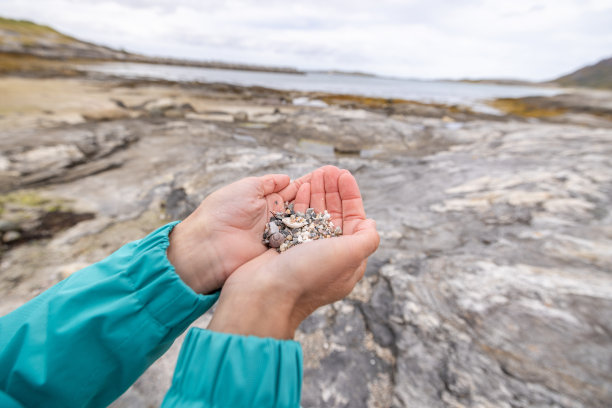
x=26 y=27
x=28 y=32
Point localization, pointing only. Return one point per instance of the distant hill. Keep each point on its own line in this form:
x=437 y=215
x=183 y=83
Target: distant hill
x=598 y=75
x=21 y=37
x=26 y=37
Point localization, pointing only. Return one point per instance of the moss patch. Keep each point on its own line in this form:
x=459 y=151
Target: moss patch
x=28 y=200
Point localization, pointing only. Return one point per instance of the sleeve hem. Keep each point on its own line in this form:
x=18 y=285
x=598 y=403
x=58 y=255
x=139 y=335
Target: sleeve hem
x=159 y=282
x=226 y=370
x=6 y=401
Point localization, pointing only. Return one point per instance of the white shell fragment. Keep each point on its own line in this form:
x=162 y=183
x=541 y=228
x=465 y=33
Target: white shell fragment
x=273 y=228
x=292 y=223
x=287 y=228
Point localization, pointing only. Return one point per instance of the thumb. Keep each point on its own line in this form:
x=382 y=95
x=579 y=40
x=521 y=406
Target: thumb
x=349 y=250
x=366 y=238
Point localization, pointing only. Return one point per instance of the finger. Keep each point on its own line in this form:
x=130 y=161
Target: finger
x=352 y=205
x=317 y=191
x=302 y=198
x=275 y=203
x=305 y=178
x=332 y=194
x=273 y=183
x=289 y=192
x=347 y=251
x=366 y=231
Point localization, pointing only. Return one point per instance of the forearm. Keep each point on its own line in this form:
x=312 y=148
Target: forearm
x=262 y=311
x=191 y=252
x=84 y=341
x=245 y=359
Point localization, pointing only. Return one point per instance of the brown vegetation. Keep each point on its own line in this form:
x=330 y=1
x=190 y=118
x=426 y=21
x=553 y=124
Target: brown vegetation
x=30 y=65
x=522 y=107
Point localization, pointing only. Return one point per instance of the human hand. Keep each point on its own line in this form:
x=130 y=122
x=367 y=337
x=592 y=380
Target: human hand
x=275 y=292
x=225 y=231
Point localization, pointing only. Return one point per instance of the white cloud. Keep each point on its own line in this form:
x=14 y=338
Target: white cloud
x=532 y=39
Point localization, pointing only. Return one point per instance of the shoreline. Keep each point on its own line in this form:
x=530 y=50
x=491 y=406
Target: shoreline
x=581 y=106
x=35 y=67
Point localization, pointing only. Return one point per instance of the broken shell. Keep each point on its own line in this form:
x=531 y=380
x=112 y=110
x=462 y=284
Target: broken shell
x=288 y=228
x=273 y=228
x=293 y=223
x=276 y=240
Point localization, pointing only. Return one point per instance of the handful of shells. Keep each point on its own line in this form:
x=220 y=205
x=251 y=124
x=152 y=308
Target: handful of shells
x=288 y=228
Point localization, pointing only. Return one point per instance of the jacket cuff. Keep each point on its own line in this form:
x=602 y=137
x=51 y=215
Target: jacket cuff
x=155 y=282
x=6 y=401
x=223 y=370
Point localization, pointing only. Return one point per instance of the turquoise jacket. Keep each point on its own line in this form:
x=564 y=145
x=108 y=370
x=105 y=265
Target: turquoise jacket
x=84 y=341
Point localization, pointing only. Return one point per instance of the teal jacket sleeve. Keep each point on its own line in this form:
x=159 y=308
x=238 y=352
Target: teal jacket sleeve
x=84 y=341
x=218 y=370
x=87 y=339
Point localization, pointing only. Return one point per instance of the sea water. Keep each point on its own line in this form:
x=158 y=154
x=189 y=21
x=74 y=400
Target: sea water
x=473 y=95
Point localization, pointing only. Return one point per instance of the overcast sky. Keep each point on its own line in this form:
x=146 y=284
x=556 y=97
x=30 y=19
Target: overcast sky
x=526 y=39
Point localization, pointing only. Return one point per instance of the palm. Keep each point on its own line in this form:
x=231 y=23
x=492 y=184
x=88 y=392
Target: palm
x=340 y=262
x=239 y=213
x=335 y=191
x=242 y=209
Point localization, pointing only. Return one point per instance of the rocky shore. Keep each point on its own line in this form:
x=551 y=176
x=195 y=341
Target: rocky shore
x=492 y=286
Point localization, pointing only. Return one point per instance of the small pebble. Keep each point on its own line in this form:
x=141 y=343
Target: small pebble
x=276 y=240
x=11 y=236
x=288 y=228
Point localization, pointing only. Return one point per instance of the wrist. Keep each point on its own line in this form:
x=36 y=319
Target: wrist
x=264 y=310
x=194 y=258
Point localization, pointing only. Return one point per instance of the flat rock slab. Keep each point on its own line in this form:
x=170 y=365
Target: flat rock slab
x=492 y=286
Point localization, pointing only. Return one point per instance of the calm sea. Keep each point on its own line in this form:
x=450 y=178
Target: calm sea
x=446 y=92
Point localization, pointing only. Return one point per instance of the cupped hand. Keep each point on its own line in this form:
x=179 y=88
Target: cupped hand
x=225 y=231
x=275 y=292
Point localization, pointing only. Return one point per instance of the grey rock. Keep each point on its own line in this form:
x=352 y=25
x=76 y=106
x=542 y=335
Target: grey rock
x=174 y=113
x=46 y=157
x=8 y=225
x=241 y=116
x=492 y=284
x=61 y=155
x=178 y=205
x=376 y=313
x=11 y=236
x=159 y=105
